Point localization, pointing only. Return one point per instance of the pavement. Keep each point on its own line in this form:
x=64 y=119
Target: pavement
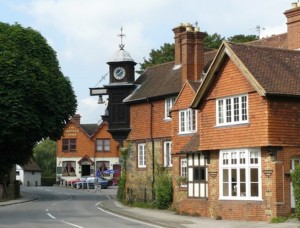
x=162 y=218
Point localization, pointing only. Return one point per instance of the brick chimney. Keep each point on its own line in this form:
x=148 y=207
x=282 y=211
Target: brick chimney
x=76 y=119
x=189 y=51
x=293 y=26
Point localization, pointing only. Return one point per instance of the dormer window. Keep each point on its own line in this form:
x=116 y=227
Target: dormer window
x=187 y=121
x=169 y=102
x=232 y=110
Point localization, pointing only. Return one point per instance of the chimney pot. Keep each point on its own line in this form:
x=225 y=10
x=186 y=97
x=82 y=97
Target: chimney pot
x=294 y=4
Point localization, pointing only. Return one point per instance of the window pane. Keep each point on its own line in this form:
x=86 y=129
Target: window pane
x=242 y=158
x=220 y=111
x=234 y=182
x=182 y=122
x=242 y=175
x=228 y=110
x=99 y=145
x=243 y=189
x=225 y=189
x=254 y=175
x=236 y=109
x=199 y=174
x=107 y=145
x=233 y=158
x=225 y=175
x=254 y=189
x=183 y=167
x=244 y=108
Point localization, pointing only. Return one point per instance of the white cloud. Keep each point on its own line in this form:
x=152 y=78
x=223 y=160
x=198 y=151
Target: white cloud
x=87 y=107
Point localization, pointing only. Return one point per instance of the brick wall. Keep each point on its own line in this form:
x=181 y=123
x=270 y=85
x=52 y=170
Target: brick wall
x=140 y=121
x=231 y=82
x=284 y=124
x=293 y=27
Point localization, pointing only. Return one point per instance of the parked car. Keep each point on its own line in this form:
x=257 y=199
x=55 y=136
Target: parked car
x=79 y=182
x=91 y=181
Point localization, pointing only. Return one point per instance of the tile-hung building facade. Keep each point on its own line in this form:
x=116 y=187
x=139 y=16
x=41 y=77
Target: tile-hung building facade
x=248 y=107
x=85 y=148
x=228 y=119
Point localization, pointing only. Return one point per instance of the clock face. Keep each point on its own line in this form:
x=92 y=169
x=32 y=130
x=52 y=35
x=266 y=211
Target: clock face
x=119 y=73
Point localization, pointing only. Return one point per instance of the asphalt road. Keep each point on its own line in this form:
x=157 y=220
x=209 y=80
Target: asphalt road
x=63 y=208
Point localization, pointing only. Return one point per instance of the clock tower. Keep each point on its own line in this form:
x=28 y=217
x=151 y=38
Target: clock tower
x=121 y=85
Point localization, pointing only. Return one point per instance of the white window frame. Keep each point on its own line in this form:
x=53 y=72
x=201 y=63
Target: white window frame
x=187 y=121
x=232 y=110
x=239 y=163
x=169 y=102
x=141 y=155
x=183 y=171
x=168 y=154
x=103 y=145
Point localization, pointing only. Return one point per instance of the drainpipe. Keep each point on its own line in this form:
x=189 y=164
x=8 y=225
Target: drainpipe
x=152 y=143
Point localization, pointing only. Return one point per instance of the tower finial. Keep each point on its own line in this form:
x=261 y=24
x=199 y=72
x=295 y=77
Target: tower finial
x=121 y=35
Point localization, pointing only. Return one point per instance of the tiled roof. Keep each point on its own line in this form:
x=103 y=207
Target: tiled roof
x=195 y=85
x=89 y=128
x=275 y=41
x=31 y=166
x=165 y=79
x=157 y=81
x=276 y=70
x=162 y=80
x=192 y=145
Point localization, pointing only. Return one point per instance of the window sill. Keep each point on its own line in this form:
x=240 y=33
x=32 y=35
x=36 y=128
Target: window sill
x=233 y=125
x=241 y=199
x=186 y=133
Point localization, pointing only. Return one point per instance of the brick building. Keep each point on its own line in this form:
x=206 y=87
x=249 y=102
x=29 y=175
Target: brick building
x=85 y=148
x=229 y=118
x=238 y=167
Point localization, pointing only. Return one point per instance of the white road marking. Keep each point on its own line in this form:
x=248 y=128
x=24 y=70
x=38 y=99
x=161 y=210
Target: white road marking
x=129 y=219
x=71 y=224
x=51 y=216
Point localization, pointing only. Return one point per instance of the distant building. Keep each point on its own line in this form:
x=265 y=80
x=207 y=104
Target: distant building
x=85 y=148
x=29 y=174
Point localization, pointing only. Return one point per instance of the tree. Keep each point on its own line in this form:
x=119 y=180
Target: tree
x=44 y=154
x=164 y=54
x=242 y=38
x=295 y=175
x=37 y=100
x=213 y=41
x=167 y=51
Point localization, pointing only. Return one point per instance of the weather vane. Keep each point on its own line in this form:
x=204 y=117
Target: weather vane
x=121 y=35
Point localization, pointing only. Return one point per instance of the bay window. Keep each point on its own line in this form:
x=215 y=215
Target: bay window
x=240 y=174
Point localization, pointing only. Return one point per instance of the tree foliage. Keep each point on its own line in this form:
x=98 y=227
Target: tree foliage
x=213 y=41
x=44 y=154
x=37 y=100
x=296 y=188
x=242 y=38
x=167 y=51
x=164 y=54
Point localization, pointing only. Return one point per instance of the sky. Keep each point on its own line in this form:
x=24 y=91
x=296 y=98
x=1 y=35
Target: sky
x=84 y=33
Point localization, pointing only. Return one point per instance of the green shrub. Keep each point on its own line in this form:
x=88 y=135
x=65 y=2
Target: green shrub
x=163 y=190
x=296 y=185
x=121 y=194
x=278 y=219
x=48 y=181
